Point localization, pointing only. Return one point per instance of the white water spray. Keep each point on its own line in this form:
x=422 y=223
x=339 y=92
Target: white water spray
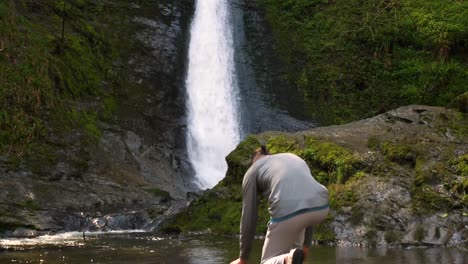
x=213 y=129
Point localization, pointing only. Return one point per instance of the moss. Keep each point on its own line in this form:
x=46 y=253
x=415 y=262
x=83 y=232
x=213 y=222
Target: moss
x=239 y=160
x=393 y=236
x=433 y=174
x=220 y=209
x=465 y=200
x=281 y=144
x=214 y=213
x=419 y=233
x=357 y=215
x=330 y=159
x=457 y=123
x=371 y=237
x=342 y=195
x=41 y=159
x=425 y=199
x=160 y=193
x=400 y=154
x=373 y=143
x=30 y=205
x=461 y=165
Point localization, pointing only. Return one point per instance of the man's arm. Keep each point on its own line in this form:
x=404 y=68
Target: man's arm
x=249 y=213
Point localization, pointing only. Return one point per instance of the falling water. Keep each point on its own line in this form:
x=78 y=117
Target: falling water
x=213 y=129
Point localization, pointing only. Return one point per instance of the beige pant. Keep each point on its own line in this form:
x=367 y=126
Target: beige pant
x=283 y=236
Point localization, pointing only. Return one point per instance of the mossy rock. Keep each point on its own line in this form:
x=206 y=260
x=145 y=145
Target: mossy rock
x=393 y=236
x=432 y=174
x=329 y=162
x=166 y=196
x=219 y=210
x=400 y=154
x=460 y=103
x=426 y=199
x=419 y=233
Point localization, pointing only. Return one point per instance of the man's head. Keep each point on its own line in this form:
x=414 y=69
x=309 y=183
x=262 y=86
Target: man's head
x=259 y=153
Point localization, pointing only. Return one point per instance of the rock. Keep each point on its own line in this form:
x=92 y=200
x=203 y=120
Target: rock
x=377 y=197
x=23 y=232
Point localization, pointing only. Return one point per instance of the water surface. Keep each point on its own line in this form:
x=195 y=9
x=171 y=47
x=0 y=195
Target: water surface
x=145 y=248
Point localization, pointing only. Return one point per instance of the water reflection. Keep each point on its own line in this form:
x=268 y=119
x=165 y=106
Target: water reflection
x=145 y=248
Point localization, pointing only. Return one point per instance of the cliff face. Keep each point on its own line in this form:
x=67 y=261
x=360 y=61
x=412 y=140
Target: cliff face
x=397 y=178
x=120 y=177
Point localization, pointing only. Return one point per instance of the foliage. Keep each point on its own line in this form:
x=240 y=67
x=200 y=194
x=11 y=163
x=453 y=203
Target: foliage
x=353 y=59
x=44 y=78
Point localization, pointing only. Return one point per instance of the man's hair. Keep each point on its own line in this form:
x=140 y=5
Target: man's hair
x=261 y=150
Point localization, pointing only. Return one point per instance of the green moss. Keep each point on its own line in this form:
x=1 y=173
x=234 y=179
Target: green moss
x=425 y=199
x=41 y=158
x=419 y=233
x=215 y=213
x=30 y=205
x=457 y=123
x=433 y=174
x=461 y=165
x=161 y=193
x=373 y=143
x=357 y=215
x=393 y=236
x=281 y=144
x=342 y=195
x=398 y=153
x=239 y=160
x=330 y=159
x=371 y=237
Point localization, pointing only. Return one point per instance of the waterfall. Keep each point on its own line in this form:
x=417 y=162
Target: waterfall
x=213 y=125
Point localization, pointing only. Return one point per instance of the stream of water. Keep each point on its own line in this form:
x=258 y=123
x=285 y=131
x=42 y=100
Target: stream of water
x=146 y=248
x=213 y=127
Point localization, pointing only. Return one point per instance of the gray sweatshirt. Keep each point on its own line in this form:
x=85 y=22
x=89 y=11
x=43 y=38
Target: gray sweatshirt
x=286 y=181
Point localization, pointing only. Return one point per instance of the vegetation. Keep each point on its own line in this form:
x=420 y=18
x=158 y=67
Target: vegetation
x=220 y=209
x=56 y=58
x=354 y=59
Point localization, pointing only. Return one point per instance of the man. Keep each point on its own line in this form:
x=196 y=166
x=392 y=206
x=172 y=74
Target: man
x=296 y=203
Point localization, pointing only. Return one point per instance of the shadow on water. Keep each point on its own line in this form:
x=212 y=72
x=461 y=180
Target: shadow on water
x=146 y=248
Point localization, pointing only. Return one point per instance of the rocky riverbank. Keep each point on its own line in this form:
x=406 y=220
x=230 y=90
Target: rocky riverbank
x=399 y=178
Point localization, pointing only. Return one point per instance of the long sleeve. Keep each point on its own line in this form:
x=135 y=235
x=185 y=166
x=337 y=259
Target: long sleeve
x=249 y=213
x=308 y=236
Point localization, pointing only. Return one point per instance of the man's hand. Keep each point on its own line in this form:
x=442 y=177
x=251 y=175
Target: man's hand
x=239 y=261
x=306 y=252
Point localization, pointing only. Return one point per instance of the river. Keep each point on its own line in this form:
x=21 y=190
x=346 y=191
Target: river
x=146 y=248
